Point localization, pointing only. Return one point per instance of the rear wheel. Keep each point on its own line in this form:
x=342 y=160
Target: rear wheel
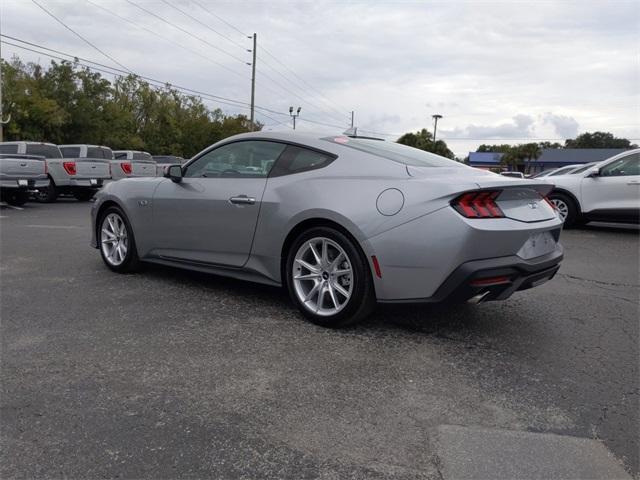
x=16 y=198
x=48 y=194
x=83 y=195
x=328 y=278
x=566 y=208
x=117 y=245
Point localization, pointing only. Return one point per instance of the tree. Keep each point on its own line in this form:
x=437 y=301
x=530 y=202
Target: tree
x=423 y=140
x=67 y=103
x=598 y=140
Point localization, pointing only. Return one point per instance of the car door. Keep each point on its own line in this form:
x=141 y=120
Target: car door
x=210 y=216
x=615 y=191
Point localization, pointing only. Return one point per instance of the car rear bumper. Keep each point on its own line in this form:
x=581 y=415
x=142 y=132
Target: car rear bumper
x=493 y=278
x=31 y=183
x=93 y=183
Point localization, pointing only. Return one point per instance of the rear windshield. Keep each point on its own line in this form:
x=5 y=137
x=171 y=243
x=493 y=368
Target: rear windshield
x=396 y=152
x=47 y=151
x=70 y=152
x=9 y=148
x=99 y=152
x=141 y=156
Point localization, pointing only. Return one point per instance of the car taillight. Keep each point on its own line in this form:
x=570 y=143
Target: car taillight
x=110 y=172
x=70 y=167
x=126 y=167
x=480 y=204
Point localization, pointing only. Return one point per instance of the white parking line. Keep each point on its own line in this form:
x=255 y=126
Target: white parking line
x=54 y=226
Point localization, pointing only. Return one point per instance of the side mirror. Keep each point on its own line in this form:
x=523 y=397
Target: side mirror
x=174 y=172
x=593 y=172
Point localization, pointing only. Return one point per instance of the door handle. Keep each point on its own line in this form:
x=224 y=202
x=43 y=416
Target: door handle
x=242 y=200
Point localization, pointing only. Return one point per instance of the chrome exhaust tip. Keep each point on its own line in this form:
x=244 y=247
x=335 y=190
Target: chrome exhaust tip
x=479 y=298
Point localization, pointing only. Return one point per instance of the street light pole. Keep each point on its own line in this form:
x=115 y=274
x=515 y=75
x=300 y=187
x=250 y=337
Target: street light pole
x=253 y=80
x=436 y=117
x=294 y=115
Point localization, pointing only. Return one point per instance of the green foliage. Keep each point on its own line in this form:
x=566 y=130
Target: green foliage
x=518 y=157
x=69 y=104
x=423 y=140
x=598 y=140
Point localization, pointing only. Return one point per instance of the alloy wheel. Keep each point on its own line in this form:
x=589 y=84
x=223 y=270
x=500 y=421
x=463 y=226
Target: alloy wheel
x=561 y=206
x=322 y=276
x=114 y=239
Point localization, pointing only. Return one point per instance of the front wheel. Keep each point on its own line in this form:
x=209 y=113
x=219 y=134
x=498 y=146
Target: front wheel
x=328 y=278
x=117 y=245
x=566 y=208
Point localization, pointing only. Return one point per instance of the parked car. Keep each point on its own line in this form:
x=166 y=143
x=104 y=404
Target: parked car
x=342 y=222
x=21 y=175
x=544 y=173
x=162 y=161
x=607 y=191
x=80 y=177
x=133 y=163
x=119 y=167
x=565 y=170
x=512 y=174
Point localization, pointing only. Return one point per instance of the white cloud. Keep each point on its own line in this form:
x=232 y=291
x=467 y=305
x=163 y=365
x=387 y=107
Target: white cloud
x=395 y=64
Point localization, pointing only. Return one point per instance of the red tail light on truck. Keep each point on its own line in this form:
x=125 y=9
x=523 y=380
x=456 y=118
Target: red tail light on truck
x=126 y=167
x=70 y=167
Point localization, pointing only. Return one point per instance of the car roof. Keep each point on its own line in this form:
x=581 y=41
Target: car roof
x=83 y=145
x=28 y=142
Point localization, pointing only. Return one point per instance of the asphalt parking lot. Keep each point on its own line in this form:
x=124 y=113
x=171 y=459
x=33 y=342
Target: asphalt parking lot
x=168 y=374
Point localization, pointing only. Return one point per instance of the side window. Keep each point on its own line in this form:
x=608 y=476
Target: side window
x=248 y=159
x=11 y=149
x=623 y=167
x=70 y=152
x=298 y=159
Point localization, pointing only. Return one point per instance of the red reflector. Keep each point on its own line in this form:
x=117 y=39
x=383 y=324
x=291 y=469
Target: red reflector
x=126 y=167
x=479 y=204
x=551 y=204
x=483 y=282
x=376 y=266
x=69 y=167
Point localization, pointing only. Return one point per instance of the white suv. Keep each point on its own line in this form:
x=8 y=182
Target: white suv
x=608 y=191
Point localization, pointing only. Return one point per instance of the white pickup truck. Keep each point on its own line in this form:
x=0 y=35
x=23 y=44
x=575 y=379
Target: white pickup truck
x=20 y=175
x=80 y=177
x=133 y=163
x=122 y=166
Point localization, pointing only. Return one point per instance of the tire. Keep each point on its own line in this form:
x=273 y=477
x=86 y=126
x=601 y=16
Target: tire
x=84 y=195
x=566 y=207
x=17 y=199
x=326 y=281
x=115 y=221
x=49 y=194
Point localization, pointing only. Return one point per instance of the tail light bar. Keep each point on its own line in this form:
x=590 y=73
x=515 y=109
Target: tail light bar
x=126 y=167
x=69 y=167
x=551 y=204
x=478 y=204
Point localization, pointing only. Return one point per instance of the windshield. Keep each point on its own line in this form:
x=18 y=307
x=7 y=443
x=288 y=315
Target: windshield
x=47 y=151
x=395 y=151
x=99 y=152
x=582 y=169
x=562 y=171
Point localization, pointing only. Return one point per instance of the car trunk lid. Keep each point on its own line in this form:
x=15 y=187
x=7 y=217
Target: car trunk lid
x=143 y=168
x=519 y=199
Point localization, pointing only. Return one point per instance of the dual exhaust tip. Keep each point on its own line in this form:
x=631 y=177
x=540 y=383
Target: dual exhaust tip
x=479 y=298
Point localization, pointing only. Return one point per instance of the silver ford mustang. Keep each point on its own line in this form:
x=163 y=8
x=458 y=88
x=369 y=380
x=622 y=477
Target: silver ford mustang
x=342 y=222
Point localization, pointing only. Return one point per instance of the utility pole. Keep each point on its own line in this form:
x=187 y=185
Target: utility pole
x=253 y=79
x=436 y=117
x=294 y=115
x=352 y=114
x=2 y=119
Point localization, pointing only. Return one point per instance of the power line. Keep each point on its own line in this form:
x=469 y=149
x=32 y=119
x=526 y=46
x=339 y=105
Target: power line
x=302 y=80
x=206 y=26
x=78 y=35
x=187 y=32
x=221 y=19
x=166 y=39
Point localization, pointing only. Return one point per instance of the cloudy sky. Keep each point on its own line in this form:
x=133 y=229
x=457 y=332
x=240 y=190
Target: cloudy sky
x=498 y=72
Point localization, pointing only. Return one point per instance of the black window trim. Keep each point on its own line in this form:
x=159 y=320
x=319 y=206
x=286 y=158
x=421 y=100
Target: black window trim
x=286 y=143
